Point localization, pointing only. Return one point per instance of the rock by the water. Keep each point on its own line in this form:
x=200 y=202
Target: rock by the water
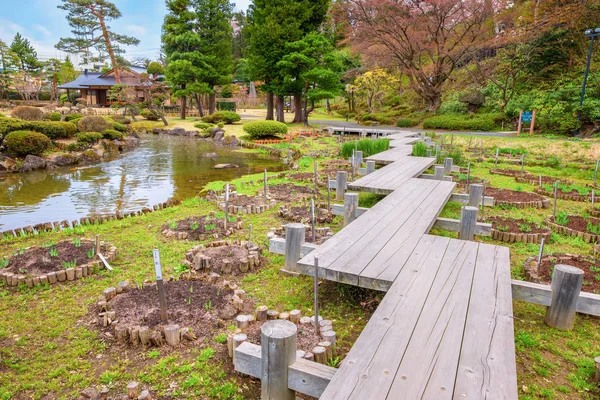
x=225 y=166
x=177 y=132
x=89 y=156
x=157 y=131
x=210 y=155
x=219 y=135
x=61 y=160
x=32 y=163
x=8 y=164
x=214 y=131
x=231 y=141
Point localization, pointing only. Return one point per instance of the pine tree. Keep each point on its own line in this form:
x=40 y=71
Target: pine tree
x=8 y=61
x=25 y=53
x=89 y=19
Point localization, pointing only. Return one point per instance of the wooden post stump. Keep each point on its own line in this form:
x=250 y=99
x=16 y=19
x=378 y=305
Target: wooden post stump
x=566 y=286
x=329 y=336
x=370 y=167
x=359 y=159
x=294 y=239
x=261 y=313
x=320 y=354
x=278 y=352
x=475 y=195
x=350 y=207
x=132 y=390
x=173 y=335
x=448 y=166
x=468 y=220
x=242 y=322
x=597 y=361
x=341 y=179
x=439 y=173
x=295 y=316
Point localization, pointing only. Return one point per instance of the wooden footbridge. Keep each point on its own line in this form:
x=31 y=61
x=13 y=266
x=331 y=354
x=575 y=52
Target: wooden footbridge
x=444 y=330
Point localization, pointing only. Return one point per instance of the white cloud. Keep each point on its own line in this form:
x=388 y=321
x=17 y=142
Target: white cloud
x=42 y=29
x=136 y=30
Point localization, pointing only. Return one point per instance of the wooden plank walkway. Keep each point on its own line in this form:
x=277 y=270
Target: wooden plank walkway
x=438 y=333
x=390 y=156
x=392 y=177
x=367 y=252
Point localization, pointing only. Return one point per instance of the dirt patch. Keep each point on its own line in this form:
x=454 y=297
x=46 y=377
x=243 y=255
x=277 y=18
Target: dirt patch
x=582 y=224
x=289 y=192
x=329 y=169
x=307 y=338
x=322 y=234
x=507 y=172
x=303 y=176
x=303 y=215
x=201 y=228
x=226 y=258
x=516 y=198
x=590 y=267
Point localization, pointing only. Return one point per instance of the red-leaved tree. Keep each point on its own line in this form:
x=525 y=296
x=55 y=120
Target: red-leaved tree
x=426 y=39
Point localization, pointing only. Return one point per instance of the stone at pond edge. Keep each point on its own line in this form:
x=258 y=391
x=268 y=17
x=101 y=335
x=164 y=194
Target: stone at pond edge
x=225 y=166
x=32 y=163
x=8 y=164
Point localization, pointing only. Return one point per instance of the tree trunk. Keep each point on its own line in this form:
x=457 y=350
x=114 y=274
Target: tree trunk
x=298 y=109
x=281 y=109
x=199 y=105
x=328 y=105
x=109 y=48
x=183 y=105
x=292 y=104
x=212 y=100
x=270 y=106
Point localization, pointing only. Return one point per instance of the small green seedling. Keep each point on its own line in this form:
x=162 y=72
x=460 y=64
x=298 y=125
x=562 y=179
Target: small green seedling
x=91 y=253
x=70 y=264
x=173 y=225
x=4 y=262
x=54 y=252
x=77 y=242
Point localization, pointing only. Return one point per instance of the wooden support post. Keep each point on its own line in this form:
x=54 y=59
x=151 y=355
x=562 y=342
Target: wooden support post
x=98 y=250
x=328 y=196
x=448 y=166
x=226 y=204
x=596 y=172
x=439 y=173
x=359 y=159
x=496 y=162
x=522 y=163
x=468 y=221
x=540 y=179
x=541 y=251
x=593 y=199
x=532 y=127
x=597 y=376
x=475 y=195
x=294 y=239
x=520 y=123
x=162 y=298
x=316 y=289
x=341 y=179
x=468 y=173
x=370 y=167
x=566 y=286
x=316 y=177
x=350 y=207
x=278 y=352
x=312 y=220
x=265 y=187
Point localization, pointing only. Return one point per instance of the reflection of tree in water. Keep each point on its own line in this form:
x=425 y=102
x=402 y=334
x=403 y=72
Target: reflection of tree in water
x=31 y=188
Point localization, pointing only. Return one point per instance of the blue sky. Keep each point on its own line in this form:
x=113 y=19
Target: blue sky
x=44 y=24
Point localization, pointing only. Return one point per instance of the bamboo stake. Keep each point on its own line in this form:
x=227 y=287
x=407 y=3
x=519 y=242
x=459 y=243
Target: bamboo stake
x=160 y=286
x=541 y=251
x=316 y=286
x=226 y=204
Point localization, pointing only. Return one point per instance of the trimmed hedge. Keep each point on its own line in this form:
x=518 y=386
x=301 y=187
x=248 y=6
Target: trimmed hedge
x=22 y=143
x=203 y=125
x=149 y=115
x=262 y=129
x=112 y=134
x=52 y=116
x=474 y=122
x=228 y=117
x=407 y=122
x=93 y=123
x=121 y=119
x=54 y=130
x=27 y=113
x=89 y=137
x=71 y=117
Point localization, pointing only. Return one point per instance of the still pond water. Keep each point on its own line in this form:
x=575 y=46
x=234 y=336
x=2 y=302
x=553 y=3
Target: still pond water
x=161 y=168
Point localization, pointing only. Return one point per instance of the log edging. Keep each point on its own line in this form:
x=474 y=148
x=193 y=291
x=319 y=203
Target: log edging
x=564 y=196
x=544 y=203
x=200 y=262
x=520 y=237
x=563 y=230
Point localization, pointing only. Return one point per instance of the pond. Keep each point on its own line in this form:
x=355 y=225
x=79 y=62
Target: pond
x=162 y=167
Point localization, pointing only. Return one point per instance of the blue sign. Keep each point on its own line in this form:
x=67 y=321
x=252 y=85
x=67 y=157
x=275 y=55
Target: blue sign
x=527 y=116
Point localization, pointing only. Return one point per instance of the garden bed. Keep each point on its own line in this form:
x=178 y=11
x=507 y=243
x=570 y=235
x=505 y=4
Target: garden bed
x=518 y=230
x=461 y=180
x=303 y=215
x=542 y=273
x=535 y=180
x=131 y=315
x=52 y=263
x=329 y=169
x=513 y=198
x=567 y=192
x=322 y=234
x=242 y=204
x=507 y=172
x=288 y=192
x=587 y=229
x=201 y=228
x=225 y=258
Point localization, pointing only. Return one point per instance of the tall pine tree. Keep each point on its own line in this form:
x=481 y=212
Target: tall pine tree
x=89 y=19
x=25 y=53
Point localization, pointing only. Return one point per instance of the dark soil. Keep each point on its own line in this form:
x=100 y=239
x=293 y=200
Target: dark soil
x=289 y=192
x=38 y=261
x=511 y=195
x=199 y=308
x=329 y=169
x=513 y=225
x=201 y=228
x=307 y=337
x=509 y=172
x=580 y=224
x=590 y=267
x=303 y=214
x=462 y=178
x=303 y=176
x=243 y=200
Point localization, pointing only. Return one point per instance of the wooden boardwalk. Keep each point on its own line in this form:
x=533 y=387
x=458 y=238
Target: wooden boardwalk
x=444 y=329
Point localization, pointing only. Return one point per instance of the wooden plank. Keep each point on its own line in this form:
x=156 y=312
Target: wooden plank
x=487 y=366
x=338 y=209
x=537 y=293
x=453 y=225
x=386 y=180
x=432 y=177
x=304 y=376
x=464 y=198
x=427 y=369
x=277 y=246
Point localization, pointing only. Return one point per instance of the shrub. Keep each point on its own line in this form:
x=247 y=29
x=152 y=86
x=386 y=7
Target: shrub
x=22 y=143
x=119 y=127
x=149 y=115
x=27 y=113
x=474 y=122
x=407 y=122
x=226 y=106
x=53 y=130
x=228 y=117
x=419 y=149
x=71 y=117
x=369 y=147
x=121 y=119
x=89 y=137
x=52 y=116
x=203 y=125
x=261 y=129
x=72 y=147
x=112 y=134
x=94 y=123
x=81 y=101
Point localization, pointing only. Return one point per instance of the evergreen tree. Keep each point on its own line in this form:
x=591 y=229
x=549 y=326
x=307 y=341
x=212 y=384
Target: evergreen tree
x=25 y=53
x=67 y=72
x=271 y=24
x=8 y=61
x=89 y=18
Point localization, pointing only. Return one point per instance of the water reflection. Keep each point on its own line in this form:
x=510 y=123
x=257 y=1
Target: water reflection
x=161 y=168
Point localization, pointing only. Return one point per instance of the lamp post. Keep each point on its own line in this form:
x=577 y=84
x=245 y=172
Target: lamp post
x=592 y=34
